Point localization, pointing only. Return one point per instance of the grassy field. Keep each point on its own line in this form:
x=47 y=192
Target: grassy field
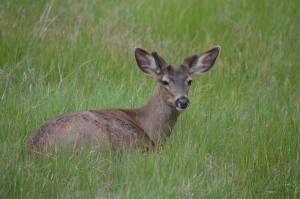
x=240 y=138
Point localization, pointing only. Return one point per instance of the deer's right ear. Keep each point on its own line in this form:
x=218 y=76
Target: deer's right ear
x=202 y=63
x=146 y=62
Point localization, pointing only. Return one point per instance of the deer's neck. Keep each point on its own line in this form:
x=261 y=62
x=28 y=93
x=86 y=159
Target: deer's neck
x=157 y=118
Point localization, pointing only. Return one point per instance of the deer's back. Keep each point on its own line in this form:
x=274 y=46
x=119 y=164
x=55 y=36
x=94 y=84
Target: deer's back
x=107 y=128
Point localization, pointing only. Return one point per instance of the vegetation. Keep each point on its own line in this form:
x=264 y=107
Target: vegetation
x=240 y=138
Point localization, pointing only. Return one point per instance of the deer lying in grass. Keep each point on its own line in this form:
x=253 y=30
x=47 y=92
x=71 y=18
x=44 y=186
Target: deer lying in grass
x=142 y=127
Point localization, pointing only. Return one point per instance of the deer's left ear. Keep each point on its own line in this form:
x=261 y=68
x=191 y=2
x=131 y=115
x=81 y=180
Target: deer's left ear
x=147 y=62
x=202 y=63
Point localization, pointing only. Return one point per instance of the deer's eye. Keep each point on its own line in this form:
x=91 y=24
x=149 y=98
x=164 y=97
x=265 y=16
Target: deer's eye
x=165 y=83
x=189 y=82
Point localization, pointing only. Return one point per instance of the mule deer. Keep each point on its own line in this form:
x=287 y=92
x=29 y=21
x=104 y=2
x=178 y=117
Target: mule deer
x=142 y=127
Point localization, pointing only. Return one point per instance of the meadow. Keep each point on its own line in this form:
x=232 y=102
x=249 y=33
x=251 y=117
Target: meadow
x=239 y=138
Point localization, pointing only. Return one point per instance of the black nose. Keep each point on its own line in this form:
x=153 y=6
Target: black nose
x=182 y=102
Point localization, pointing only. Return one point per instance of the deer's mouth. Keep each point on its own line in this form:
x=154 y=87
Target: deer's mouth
x=180 y=109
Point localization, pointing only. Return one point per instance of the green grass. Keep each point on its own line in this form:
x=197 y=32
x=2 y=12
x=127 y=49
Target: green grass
x=239 y=139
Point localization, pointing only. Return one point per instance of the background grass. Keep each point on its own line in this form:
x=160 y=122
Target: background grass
x=239 y=139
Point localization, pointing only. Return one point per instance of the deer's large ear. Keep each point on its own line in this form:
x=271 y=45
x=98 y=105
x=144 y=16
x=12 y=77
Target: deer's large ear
x=202 y=63
x=147 y=62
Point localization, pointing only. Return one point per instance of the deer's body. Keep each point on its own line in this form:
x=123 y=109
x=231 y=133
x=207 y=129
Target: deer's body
x=142 y=127
x=110 y=128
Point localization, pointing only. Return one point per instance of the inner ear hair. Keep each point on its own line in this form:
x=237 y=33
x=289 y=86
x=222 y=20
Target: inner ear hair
x=191 y=60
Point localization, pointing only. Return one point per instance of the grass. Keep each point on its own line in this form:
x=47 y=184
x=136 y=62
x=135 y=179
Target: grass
x=239 y=139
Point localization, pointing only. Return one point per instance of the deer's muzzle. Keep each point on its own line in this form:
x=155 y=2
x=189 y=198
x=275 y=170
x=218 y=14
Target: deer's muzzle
x=182 y=103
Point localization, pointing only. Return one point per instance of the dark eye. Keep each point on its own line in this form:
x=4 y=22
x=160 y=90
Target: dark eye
x=165 y=83
x=189 y=82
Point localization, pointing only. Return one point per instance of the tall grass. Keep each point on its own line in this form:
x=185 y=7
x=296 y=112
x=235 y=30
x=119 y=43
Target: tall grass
x=239 y=139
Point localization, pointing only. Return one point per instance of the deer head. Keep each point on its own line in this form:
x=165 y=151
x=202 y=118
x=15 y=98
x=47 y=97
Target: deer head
x=175 y=79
